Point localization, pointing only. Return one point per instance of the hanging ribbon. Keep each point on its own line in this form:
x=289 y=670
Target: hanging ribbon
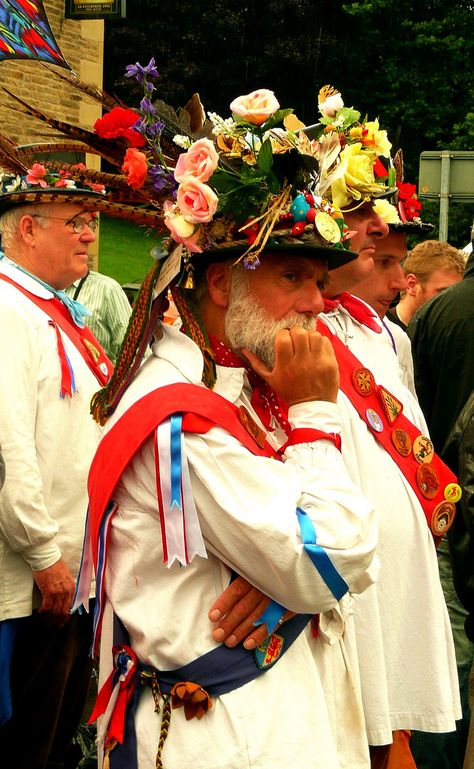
x=114 y=696
x=182 y=538
x=68 y=384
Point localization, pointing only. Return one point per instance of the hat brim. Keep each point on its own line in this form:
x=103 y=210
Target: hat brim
x=49 y=195
x=335 y=257
x=88 y=200
x=412 y=228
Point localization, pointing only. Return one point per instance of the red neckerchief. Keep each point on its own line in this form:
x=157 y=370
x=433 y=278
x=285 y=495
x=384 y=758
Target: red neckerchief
x=356 y=309
x=265 y=401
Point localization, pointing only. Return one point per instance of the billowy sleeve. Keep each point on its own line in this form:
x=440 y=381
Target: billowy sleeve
x=247 y=510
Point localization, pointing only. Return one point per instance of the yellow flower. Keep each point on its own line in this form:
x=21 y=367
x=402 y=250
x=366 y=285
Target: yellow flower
x=356 y=176
x=376 y=138
x=356 y=132
x=386 y=211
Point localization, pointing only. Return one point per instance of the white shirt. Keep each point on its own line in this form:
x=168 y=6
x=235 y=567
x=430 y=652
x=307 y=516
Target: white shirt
x=406 y=655
x=304 y=711
x=47 y=444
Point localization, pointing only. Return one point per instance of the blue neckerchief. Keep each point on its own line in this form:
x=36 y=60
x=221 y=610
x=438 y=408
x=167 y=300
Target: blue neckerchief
x=77 y=310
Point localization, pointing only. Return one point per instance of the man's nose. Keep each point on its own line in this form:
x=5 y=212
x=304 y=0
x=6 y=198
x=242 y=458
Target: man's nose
x=377 y=227
x=311 y=301
x=398 y=280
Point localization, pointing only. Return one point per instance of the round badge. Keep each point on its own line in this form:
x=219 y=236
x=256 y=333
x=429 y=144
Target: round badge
x=327 y=227
x=423 y=449
x=442 y=517
x=402 y=442
x=374 y=420
x=453 y=492
x=363 y=381
x=427 y=480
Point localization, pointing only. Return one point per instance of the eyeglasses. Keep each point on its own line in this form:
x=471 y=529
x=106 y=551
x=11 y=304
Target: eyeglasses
x=78 y=223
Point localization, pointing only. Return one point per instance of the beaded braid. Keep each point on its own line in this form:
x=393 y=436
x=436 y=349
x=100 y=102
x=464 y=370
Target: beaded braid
x=139 y=332
x=195 y=330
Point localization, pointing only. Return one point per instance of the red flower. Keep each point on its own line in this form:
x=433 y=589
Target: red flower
x=119 y=122
x=135 y=165
x=406 y=190
x=409 y=205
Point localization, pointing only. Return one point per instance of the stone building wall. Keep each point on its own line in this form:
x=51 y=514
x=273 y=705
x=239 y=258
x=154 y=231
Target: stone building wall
x=81 y=43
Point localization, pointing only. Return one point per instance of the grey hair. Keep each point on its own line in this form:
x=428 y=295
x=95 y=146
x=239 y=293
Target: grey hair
x=10 y=220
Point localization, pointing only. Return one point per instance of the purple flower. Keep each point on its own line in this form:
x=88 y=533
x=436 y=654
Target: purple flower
x=154 y=130
x=140 y=126
x=162 y=179
x=251 y=262
x=147 y=107
x=142 y=73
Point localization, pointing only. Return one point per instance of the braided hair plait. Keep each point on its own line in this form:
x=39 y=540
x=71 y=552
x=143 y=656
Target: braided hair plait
x=195 y=330
x=139 y=332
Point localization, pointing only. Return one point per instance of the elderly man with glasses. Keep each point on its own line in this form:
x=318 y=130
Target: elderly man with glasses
x=52 y=365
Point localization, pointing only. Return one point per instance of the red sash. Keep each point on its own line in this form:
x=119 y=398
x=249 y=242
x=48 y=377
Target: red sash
x=202 y=409
x=432 y=481
x=82 y=338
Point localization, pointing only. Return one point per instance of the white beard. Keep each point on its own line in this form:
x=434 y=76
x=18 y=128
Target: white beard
x=248 y=325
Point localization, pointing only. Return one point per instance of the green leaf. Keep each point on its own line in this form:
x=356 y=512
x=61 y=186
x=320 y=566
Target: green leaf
x=265 y=157
x=276 y=119
x=349 y=116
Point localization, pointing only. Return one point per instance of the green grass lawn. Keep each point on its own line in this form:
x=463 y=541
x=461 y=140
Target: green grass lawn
x=124 y=249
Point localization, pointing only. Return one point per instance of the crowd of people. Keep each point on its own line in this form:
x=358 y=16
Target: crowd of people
x=271 y=479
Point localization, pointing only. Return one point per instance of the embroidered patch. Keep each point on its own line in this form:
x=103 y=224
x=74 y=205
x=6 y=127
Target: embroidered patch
x=391 y=405
x=363 y=381
x=92 y=350
x=267 y=653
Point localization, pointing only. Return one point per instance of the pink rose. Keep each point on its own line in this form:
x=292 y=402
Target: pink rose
x=135 y=165
x=256 y=107
x=199 y=161
x=181 y=230
x=196 y=201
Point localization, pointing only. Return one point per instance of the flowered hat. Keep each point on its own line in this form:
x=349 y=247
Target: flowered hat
x=231 y=188
x=354 y=155
x=403 y=212
x=39 y=186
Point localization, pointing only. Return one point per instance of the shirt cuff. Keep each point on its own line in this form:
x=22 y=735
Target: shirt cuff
x=320 y=415
x=42 y=556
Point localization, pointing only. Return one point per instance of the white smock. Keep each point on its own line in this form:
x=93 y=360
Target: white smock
x=404 y=642
x=306 y=710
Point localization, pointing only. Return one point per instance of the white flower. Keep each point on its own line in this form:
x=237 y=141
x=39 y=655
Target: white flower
x=331 y=105
x=182 y=141
x=221 y=126
x=14 y=184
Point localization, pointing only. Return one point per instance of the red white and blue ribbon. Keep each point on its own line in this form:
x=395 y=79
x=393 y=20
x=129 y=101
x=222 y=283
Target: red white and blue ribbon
x=81 y=598
x=181 y=533
x=68 y=382
x=114 y=696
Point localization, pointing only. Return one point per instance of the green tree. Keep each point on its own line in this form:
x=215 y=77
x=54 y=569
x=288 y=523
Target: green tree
x=410 y=63
x=417 y=75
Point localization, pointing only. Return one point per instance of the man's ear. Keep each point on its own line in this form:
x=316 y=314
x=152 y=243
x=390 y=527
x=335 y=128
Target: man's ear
x=26 y=228
x=412 y=283
x=218 y=278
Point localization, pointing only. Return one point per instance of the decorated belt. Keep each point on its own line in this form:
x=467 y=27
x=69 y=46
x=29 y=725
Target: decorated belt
x=191 y=686
x=430 y=478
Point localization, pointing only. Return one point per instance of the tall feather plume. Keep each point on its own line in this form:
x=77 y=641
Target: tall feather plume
x=330 y=149
x=399 y=166
x=95 y=93
x=110 y=151
x=10 y=159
